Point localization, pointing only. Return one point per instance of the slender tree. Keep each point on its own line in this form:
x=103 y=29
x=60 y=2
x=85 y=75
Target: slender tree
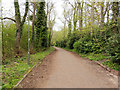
x=104 y=9
x=119 y=18
x=51 y=21
x=108 y=12
x=33 y=25
x=115 y=18
x=75 y=15
x=80 y=7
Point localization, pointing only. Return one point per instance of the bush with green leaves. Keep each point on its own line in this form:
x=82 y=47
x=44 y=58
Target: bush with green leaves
x=113 y=48
x=9 y=37
x=82 y=46
x=87 y=45
x=72 y=40
x=8 y=40
x=61 y=43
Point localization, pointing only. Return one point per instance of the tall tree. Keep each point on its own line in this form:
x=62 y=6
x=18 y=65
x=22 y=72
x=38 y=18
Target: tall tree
x=103 y=12
x=68 y=19
x=19 y=23
x=119 y=18
x=108 y=12
x=41 y=26
x=69 y=29
x=33 y=25
x=51 y=20
x=75 y=15
x=92 y=16
x=115 y=18
x=80 y=8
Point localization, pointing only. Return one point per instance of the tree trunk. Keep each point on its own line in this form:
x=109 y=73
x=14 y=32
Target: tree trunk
x=108 y=16
x=102 y=15
x=50 y=36
x=19 y=25
x=92 y=18
x=33 y=32
x=79 y=5
x=119 y=19
x=81 y=16
x=115 y=17
x=64 y=29
x=75 y=19
x=85 y=15
x=17 y=43
x=74 y=22
x=102 y=18
x=69 y=29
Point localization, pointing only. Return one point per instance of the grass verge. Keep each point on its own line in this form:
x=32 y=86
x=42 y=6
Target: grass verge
x=14 y=71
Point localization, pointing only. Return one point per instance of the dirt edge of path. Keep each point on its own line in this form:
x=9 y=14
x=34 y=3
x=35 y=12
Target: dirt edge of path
x=39 y=71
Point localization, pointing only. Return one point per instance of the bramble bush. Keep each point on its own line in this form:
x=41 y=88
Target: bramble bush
x=86 y=45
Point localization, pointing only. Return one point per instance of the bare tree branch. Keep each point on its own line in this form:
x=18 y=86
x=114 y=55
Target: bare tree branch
x=26 y=10
x=71 y=4
x=106 y=8
x=8 y=18
x=91 y=6
x=30 y=10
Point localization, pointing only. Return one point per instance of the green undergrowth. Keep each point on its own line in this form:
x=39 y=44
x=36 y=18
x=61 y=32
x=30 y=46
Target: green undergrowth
x=91 y=56
x=98 y=57
x=14 y=70
x=95 y=57
x=72 y=50
x=112 y=65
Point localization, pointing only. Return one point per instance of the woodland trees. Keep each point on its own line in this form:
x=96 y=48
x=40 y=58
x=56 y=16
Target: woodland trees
x=40 y=37
x=95 y=23
x=88 y=27
x=19 y=23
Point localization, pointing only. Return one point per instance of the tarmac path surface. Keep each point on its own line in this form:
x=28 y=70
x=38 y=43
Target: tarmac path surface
x=65 y=69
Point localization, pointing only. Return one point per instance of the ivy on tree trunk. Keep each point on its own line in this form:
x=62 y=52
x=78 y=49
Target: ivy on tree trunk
x=41 y=27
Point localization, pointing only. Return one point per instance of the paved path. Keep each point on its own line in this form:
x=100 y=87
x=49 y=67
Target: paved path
x=68 y=70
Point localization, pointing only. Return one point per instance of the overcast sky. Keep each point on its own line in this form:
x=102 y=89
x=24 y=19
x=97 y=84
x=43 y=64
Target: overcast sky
x=8 y=10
